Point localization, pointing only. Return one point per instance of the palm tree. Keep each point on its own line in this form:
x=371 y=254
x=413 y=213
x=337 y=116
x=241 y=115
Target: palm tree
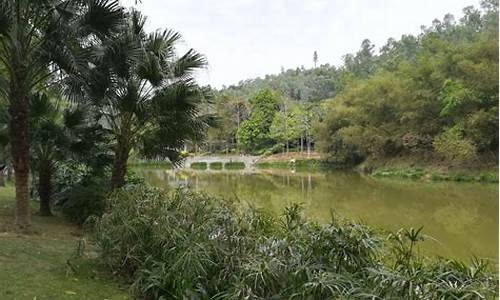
x=39 y=39
x=147 y=95
x=58 y=133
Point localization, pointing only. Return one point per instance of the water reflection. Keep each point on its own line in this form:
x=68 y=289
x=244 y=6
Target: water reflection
x=462 y=217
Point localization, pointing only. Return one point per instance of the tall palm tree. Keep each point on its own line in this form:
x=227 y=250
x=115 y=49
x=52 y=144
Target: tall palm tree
x=146 y=93
x=40 y=39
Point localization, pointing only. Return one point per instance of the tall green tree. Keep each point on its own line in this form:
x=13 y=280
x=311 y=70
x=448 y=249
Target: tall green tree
x=254 y=133
x=362 y=64
x=146 y=93
x=286 y=125
x=231 y=110
x=37 y=40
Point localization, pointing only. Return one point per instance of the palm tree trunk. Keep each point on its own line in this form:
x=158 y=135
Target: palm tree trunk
x=120 y=163
x=19 y=139
x=45 y=187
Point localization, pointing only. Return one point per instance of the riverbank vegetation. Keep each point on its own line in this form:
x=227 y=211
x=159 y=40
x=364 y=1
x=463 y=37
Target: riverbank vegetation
x=181 y=244
x=432 y=97
x=423 y=174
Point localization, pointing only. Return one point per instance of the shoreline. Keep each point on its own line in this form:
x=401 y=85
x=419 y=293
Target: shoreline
x=404 y=168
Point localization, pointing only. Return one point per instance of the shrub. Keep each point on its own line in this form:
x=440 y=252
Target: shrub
x=84 y=200
x=215 y=166
x=234 y=165
x=452 y=146
x=489 y=177
x=199 y=165
x=415 y=142
x=183 y=245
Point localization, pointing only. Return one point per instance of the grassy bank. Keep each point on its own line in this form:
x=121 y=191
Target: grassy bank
x=297 y=165
x=431 y=169
x=43 y=263
x=434 y=175
x=407 y=167
x=163 y=164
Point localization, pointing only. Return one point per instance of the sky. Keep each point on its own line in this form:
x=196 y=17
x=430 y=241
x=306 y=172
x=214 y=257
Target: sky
x=244 y=39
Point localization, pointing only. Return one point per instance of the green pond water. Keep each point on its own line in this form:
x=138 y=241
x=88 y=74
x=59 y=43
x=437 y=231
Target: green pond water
x=461 y=218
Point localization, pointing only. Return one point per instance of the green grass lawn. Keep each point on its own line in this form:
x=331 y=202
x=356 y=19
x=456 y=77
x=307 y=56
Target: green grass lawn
x=34 y=264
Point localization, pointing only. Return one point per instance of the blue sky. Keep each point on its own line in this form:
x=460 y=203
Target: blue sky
x=251 y=38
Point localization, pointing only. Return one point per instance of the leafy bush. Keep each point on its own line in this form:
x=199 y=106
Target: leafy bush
x=234 y=165
x=183 y=245
x=215 y=165
x=415 y=142
x=199 y=165
x=489 y=177
x=84 y=200
x=452 y=146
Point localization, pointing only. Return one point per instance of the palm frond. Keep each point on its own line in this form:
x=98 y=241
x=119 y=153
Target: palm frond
x=188 y=63
x=137 y=21
x=162 y=43
x=5 y=17
x=102 y=17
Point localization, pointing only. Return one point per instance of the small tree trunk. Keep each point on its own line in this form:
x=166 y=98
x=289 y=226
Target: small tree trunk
x=120 y=163
x=45 y=187
x=301 y=144
x=308 y=147
x=9 y=174
x=19 y=140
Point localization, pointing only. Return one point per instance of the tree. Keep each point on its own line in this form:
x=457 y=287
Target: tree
x=286 y=125
x=59 y=132
x=315 y=58
x=253 y=134
x=362 y=64
x=37 y=40
x=146 y=94
x=435 y=95
x=306 y=114
x=231 y=110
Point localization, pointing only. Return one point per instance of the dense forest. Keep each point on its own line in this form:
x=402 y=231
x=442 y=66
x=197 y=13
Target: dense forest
x=433 y=95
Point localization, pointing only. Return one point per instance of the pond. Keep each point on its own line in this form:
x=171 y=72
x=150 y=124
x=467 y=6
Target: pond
x=461 y=219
